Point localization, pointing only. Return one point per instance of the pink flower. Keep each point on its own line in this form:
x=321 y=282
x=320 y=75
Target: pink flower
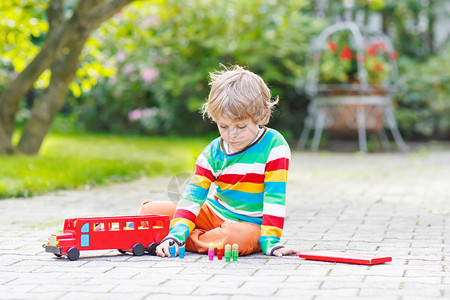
x=151 y=21
x=112 y=80
x=149 y=75
x=134 y=115
x=138 y=114
x=128 y=69
x=120 y=56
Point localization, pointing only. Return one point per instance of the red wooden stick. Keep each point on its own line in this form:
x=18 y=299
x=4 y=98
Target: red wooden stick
x=342 y=257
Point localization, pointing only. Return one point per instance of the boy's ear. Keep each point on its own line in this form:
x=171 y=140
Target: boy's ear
x=265 y=119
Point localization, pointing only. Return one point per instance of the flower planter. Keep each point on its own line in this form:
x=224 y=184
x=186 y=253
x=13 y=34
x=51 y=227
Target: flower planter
x=344 y=105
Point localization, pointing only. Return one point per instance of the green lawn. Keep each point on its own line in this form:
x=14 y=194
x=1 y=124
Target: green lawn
x=68 y=161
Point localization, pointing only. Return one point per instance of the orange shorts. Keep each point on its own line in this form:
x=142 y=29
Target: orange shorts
x=209 y=228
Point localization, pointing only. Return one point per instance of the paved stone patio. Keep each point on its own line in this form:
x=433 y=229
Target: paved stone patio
x=383 y=204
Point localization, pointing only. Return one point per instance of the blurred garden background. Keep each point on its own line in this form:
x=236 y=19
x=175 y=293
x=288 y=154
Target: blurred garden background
x=97 y=92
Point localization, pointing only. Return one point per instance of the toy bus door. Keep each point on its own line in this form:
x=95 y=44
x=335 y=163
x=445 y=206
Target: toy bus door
x=84 y=236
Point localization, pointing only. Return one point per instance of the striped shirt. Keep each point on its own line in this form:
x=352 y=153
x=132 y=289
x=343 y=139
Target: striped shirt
x=251 y=187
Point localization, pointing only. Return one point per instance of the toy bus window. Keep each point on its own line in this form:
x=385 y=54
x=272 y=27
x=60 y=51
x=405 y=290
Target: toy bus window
x=99 y=226
x=158 y=224
x=129 y=226
x=114 y=226
x=144 y=225
x=85 y=228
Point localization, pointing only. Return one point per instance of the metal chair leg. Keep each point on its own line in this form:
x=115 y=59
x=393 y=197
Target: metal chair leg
x=320 y=123
x=361 y=120
x=305 y=134
x=392 y=124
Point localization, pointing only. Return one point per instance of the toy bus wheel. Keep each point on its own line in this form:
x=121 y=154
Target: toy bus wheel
x=57 y=255
x=121 y=251
x=73 y=253
x=138 y=249
x=151 y=249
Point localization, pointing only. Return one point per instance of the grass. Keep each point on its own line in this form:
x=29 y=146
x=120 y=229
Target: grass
x=74 y=161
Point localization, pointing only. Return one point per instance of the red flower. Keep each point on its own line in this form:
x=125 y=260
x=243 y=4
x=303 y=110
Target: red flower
x=346 y=53
x=332 y=46
x=381 y=46
x=393 y=55
x=378 y=68
x=372 y=50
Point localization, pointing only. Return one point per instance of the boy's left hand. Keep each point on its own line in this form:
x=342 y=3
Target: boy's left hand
x=285 y=251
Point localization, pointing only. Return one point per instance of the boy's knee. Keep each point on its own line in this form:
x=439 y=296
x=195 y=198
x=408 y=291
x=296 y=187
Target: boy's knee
x=246 y=235
x=157 y=208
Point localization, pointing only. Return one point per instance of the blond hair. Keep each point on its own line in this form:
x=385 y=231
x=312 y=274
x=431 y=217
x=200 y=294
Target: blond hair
x=238 y=94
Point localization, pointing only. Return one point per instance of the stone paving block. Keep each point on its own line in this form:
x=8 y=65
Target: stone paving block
x=110 y=296
x=99 y=285
x=131 y=287
x=247 y=289
x=233 y=271
x=337 y=292
x=10 y=259
x=67 y=269
x=380 y=293
x=304 y=285
x=234 y=283
x=7 y=289
x=305 y=278
x=18 y=269
x=183 y=297
x=154 y=277
x=125 y=264
x=122 y=272
x=32 y=295
x=188 y=278
x=385 y=270
x=298 y=272
x=293 y=293
x=428 y=292
x=344 y=282
x=213 y=290
x=22 y=281
x=273 y=278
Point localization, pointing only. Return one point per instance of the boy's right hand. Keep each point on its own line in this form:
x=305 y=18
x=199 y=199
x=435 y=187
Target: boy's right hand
x=163 y=249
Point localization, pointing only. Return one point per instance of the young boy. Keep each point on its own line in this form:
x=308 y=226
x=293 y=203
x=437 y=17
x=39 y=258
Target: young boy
x=249 y=165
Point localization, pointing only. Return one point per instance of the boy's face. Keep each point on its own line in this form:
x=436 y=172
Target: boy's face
x=237 y=134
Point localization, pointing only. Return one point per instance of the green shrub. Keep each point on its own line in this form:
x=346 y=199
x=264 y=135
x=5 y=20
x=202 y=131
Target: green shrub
x=423 y=107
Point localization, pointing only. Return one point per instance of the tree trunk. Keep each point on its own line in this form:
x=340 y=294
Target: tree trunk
x=6 y=146
x=431 y=13
x=50 y=102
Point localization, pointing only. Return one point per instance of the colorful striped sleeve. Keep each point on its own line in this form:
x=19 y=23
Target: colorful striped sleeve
x=274 y=209
x=191 y=201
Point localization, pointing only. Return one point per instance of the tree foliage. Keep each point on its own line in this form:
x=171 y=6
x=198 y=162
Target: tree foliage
x=69 y=26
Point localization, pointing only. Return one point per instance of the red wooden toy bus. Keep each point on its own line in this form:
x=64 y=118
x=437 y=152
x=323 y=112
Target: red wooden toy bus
x=134 y=234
